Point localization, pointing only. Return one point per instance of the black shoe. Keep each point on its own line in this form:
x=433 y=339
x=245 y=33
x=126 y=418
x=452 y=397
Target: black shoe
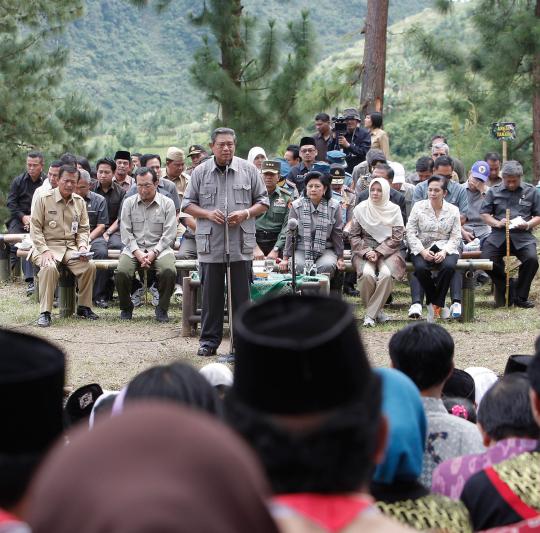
x=161 y=315
x=102 y=303
x=86 y=312
x=31 y=289
x=522 y=302
x=350 y=291
x=44 y=320
x=226 y=358
x=126 y=314
x=206 y=351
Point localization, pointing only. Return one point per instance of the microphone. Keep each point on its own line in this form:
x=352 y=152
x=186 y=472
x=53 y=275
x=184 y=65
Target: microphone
x=292 y=225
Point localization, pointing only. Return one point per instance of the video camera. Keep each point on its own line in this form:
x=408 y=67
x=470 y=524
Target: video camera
x=339 y=125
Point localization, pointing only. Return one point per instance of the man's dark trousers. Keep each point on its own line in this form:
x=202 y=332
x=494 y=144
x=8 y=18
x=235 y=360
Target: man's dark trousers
x=527 y=270
x=213 y=297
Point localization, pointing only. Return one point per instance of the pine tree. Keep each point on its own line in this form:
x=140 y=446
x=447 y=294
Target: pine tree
x=374 y=65
x=250 y=76
x=35 y=113
x=502 y=69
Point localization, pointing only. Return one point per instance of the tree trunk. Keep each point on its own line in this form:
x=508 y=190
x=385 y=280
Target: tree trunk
x=536 y=107
x=374 y=71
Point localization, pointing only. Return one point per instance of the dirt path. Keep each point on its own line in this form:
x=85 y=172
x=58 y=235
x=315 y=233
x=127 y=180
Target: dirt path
x=110 y=354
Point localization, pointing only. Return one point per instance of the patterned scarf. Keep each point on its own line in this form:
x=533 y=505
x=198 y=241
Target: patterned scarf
x=315 y=248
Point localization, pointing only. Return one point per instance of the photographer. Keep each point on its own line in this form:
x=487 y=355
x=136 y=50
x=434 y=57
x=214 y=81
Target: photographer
x=350 y=138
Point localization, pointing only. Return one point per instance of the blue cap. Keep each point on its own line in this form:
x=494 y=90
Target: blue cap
x=480 y=170
x=336 y=156
x=321 y=166
x=285 y=167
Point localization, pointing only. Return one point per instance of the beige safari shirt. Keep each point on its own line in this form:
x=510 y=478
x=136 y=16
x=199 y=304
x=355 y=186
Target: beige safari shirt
x=148 y=227
x=59 y=225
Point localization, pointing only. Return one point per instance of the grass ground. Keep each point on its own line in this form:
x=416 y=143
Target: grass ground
x=110 y=352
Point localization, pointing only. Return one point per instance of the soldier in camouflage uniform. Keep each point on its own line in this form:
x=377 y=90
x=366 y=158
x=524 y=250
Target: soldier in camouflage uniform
x=271 y=226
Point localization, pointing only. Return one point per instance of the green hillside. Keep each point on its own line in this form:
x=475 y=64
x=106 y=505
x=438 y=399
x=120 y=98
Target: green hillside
x=132 y=62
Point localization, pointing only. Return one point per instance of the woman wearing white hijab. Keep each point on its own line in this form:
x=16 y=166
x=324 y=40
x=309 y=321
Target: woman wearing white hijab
x=376 y=235
x=256 y=156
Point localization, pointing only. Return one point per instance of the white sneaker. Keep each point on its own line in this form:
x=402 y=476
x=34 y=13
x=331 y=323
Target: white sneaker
x=382 y=317
x=430 y=314
x=369 y=322
x=155 y=295
x=455 y=310
x=136 y=297
x=415 y=311
x=445 y=313
x=178 y=292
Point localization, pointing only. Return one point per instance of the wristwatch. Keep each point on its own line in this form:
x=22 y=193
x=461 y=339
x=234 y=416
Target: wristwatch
x=275 y=248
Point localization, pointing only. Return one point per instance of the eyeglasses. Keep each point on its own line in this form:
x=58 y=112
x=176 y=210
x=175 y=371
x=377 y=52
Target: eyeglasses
x=230 y=145
x=307 y=150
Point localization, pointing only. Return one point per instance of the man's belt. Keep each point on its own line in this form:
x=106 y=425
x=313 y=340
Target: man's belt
x=266 y=235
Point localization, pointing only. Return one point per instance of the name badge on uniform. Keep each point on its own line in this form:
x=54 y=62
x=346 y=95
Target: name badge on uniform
x=74 y=227
x=280 y=203
x=52 y=212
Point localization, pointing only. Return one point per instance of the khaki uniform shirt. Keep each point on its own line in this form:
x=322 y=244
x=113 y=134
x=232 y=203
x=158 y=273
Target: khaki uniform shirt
x=148 y=227
x=59 y=225
x=180 y=183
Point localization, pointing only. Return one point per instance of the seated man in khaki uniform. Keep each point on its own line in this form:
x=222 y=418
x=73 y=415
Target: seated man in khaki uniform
x=59 y=228
x=148 y=230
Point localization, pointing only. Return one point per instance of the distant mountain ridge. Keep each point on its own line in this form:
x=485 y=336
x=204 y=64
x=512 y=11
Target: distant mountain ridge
x=130 y=61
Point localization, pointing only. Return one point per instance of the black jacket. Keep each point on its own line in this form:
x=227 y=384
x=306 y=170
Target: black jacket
x=360 y=143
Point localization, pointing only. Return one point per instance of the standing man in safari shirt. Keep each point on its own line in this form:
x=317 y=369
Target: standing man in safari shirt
x=59 y=228
x=220 y=185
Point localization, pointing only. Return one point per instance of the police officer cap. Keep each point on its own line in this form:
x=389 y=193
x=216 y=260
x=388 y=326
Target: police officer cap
x=195 y=149
x=316 y=365
x=336 y=156
x=272 y=167
x=307 y=141
x=122 y=154
x=31 y=393
x=337 y=173
x=321 y=166
x=285 y=167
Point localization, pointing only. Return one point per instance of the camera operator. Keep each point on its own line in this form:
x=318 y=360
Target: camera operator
x=350 y=138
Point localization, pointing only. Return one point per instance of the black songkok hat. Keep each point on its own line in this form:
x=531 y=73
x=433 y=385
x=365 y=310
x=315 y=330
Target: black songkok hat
x=307 y=141
x=122 y=154
x=517 y=363
x=80 y=403
x=31 y=393
x=299 y=355
x=460 y=385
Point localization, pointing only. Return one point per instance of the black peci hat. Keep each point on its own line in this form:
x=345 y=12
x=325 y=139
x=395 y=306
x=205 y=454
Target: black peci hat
x=31 y=393
x=122 y=154
x=299 y=355
x=307 y=141
x=517 y=363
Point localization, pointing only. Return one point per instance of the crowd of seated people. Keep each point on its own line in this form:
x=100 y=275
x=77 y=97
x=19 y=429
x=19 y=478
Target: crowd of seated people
x=320 y=182
x=287 y=443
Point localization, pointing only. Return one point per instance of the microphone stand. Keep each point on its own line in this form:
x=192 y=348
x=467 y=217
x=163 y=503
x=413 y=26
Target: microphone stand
x=230 y=356
x=293 y=261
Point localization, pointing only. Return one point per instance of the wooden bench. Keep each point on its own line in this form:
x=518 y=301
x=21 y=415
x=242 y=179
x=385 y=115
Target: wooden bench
x=467 y=264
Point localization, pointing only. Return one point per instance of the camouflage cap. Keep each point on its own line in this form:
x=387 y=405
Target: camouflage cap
x=272 y=167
